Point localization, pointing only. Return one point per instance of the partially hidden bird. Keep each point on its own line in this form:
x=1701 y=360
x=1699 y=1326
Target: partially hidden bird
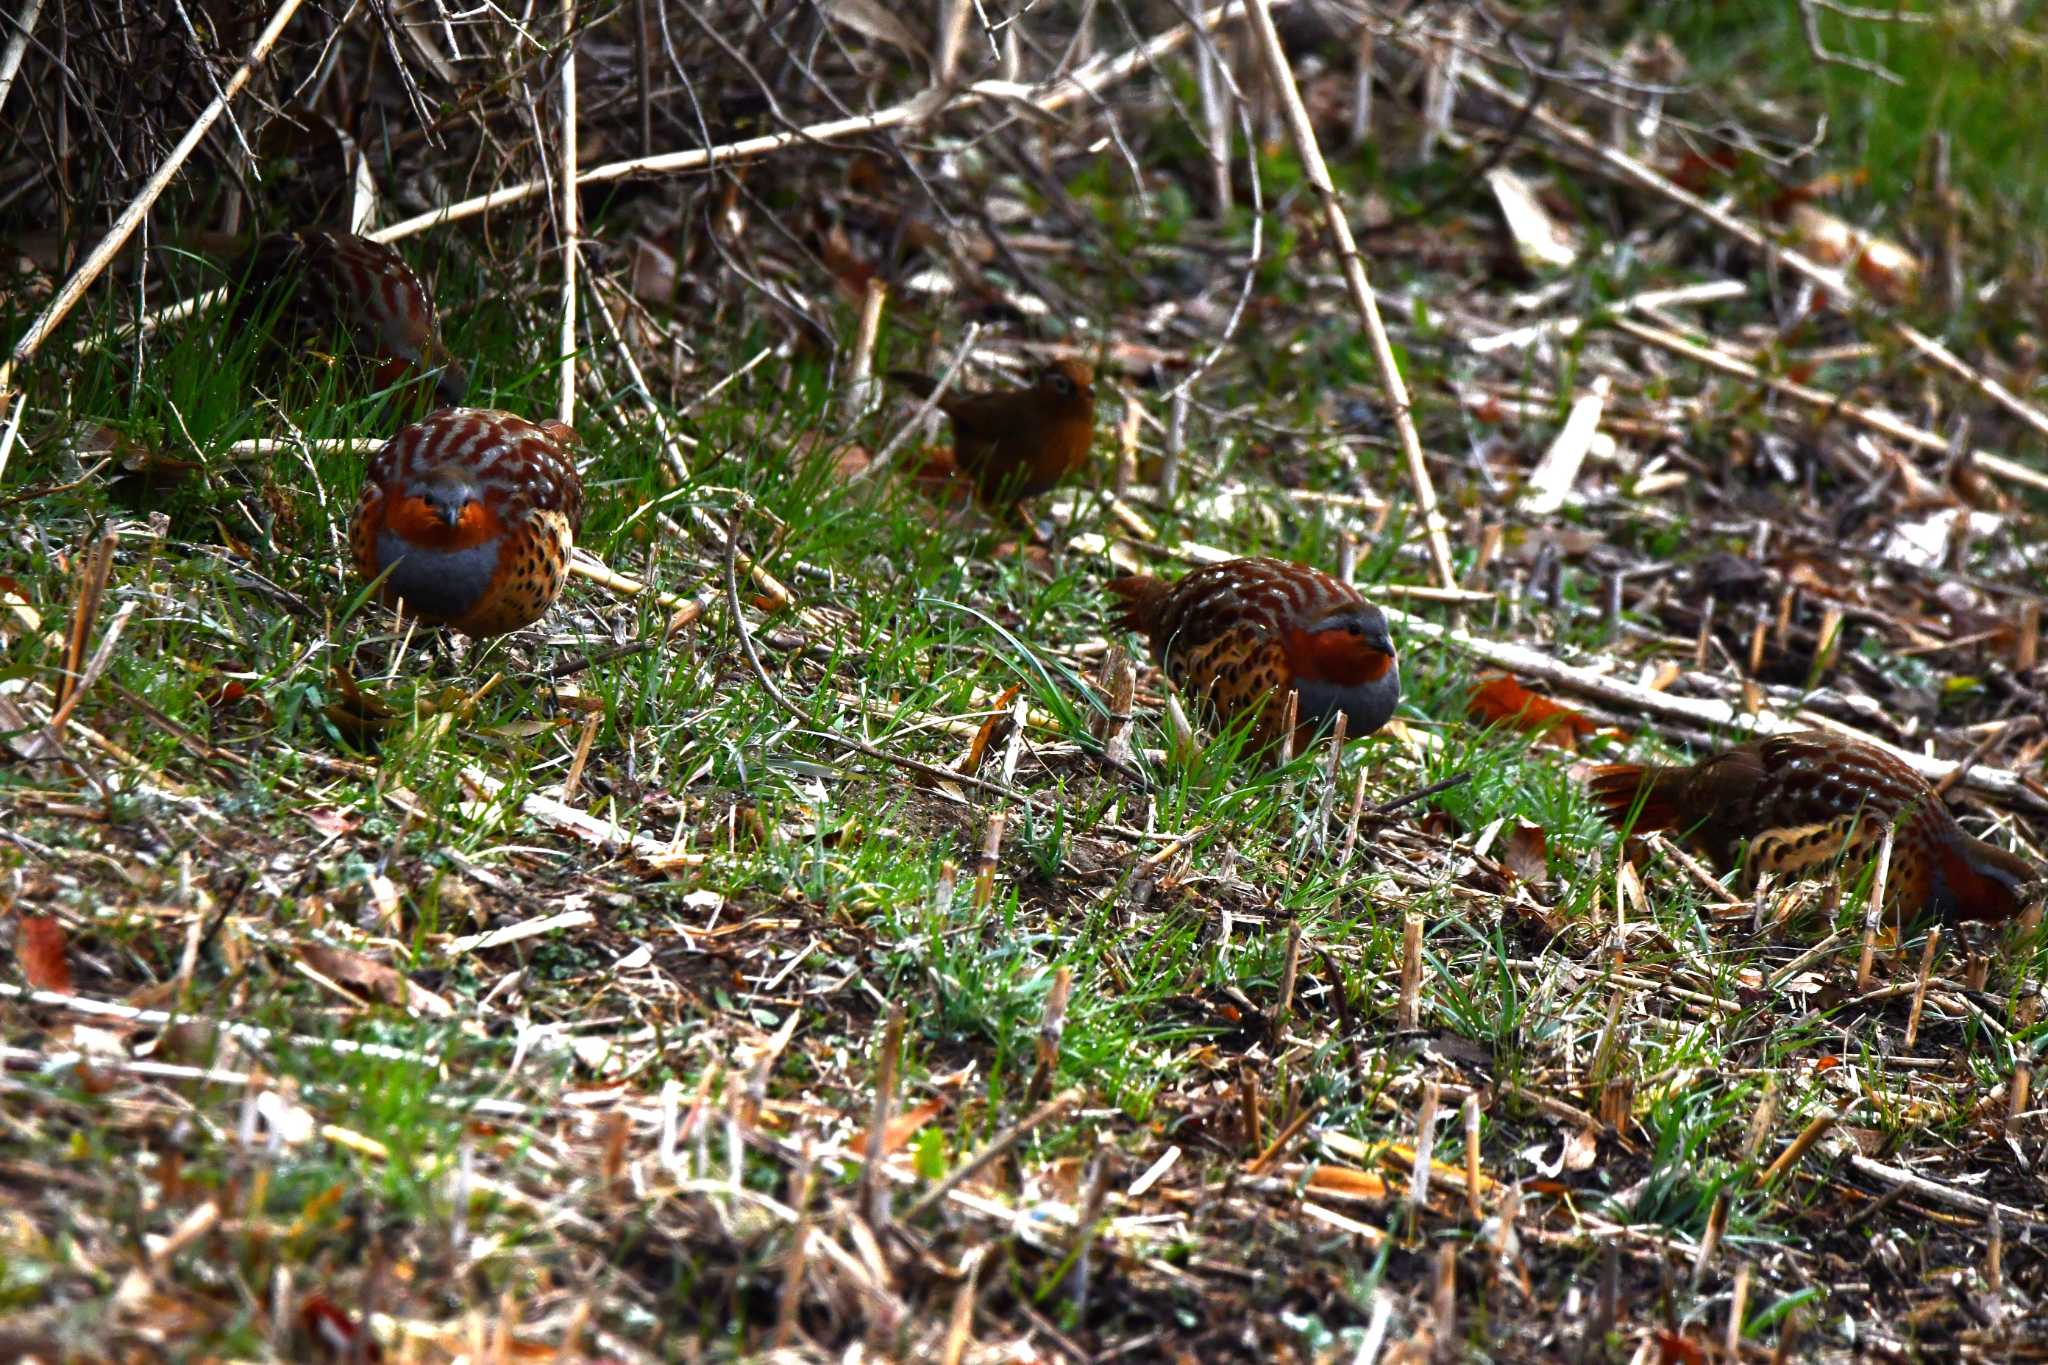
x=326 y=283
x=1019 y=443
x=1794 y=803
x=1243 y=633
x=473 y=512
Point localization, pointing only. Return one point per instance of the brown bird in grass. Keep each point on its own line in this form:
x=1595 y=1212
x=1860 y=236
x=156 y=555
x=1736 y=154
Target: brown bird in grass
x=473 y=513
x=335 y=283
x=1018 y=443
x=1243 y=633
x=1793 y=803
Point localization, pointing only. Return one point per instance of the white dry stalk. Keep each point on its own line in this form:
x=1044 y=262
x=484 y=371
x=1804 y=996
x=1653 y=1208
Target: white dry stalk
x=1552 y=478
x=571 y=225
x=1339 y=225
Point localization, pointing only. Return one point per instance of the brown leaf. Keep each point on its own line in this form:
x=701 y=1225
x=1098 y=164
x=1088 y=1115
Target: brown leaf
x=993 y=730
x=899 y=1131
x=373 y=978
x=39 y=948
x=876 y=21
x=1502 y=700
x=1524 y=852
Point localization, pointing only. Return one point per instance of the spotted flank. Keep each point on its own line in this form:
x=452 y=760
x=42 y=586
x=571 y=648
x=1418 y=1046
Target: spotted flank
x=1806 y=804
x=1238 y=636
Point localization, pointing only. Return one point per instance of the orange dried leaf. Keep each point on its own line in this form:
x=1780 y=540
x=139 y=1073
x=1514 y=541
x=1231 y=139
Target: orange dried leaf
x=1347 y=1181
x=1502 y=700
x=996 y=726
x=39 y=947
x=901 y=1130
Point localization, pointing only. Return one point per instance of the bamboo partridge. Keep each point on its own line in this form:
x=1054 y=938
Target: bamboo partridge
x=1796 y=802
x=335 y=282
x=1018 y=443
x=1242 y=634
x=473 y=513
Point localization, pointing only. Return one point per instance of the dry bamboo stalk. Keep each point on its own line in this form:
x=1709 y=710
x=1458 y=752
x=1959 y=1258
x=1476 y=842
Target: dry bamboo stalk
x=1176 y=438
x=1738 y=1309
x=985 y=865
x=1994 y=1251
x=571 y=222
x=1052 y=1025
x=874 y=1190
x=1761 y=1122
x=1425 y=1150
x=859 y=393
x=1920 y=987
x=1812 y=1133
x=797 y=1261
x=1289 y=969
x=1248 y=1107
x=1281 y=78
x=2027 y=643
x=1473 y=1204
x=2017 y=1092
x=1873 y=913
x=1409 y=1012
x=1351 y=820
x=1445 y=1307
x=1710 y=1240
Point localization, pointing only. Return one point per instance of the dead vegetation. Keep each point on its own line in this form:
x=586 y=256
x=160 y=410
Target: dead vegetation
x=818 y=939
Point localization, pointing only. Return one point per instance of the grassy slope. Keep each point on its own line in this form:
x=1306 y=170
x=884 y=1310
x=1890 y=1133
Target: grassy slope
x=269 y=828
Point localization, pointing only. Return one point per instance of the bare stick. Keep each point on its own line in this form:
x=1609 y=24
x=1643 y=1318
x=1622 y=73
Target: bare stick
x=1318 y=174
x=1409 y=1012
x=1920 y=987
x=874 y=1190
x=17 y=46
x=1738 y=1308
x=1001 y=1143
x=1050 y=97
x=1873 y=912
x=124 y=226
x=565 y=406
x=1473 y=1205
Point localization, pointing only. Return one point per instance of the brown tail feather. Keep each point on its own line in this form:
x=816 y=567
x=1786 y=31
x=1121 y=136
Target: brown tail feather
x=920 y=384
x=1616 y=786
x=1141 y=595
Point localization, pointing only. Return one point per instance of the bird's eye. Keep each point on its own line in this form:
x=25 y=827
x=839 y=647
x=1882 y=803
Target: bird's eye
x=1059 y=383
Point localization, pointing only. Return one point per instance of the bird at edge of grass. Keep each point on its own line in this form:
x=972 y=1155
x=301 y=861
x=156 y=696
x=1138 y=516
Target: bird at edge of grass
x=470 y=515
x=1796 y=803
x=1015 y=444
x=1241 y=634
x=322 y=284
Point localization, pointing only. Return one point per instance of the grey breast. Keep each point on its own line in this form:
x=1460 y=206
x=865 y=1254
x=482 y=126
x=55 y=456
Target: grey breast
x=437 y=582
x=1366 y=707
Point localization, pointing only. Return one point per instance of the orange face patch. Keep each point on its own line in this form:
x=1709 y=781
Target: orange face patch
x=1336 y=656
x=417 y=521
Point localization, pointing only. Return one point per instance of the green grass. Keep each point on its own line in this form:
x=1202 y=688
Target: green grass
x=831 y=886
